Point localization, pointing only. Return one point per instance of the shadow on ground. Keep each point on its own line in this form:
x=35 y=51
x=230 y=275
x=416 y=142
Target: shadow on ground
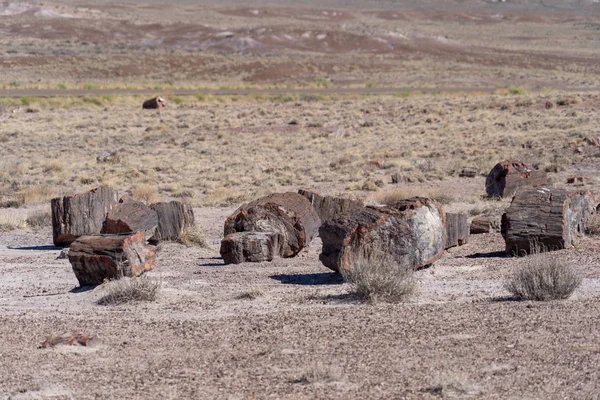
x=325 y=278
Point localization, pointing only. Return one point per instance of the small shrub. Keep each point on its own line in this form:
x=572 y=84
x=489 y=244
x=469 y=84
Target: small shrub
x=193 y=236
x=9 y=223
x=145 y=193
x=516 y=90
x=125 y=290
x=250 y=294
x=543 y=277
x=376 y=276
x=39 y=220
x=36 y=194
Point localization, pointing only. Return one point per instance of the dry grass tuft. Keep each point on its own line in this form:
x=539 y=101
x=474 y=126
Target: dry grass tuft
x=126 y=290
x=376 y=276
x=317 y=372
x=250 y=294
x=39 y=220
x=36 y=194
x=593 y=227
x=543 y=277
x=10 y=223
x=145 y=193
x=193 y=236
x=223 y=197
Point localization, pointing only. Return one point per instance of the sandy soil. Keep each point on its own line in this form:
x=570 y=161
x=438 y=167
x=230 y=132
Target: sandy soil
x=302 y=337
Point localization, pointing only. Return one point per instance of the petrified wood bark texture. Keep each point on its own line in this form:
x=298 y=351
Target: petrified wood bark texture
x=240 y=247
x=506 y=177
x=81 y=214
x=546 y=217
x=329 y=207
x=457 y=229
x=173 y=218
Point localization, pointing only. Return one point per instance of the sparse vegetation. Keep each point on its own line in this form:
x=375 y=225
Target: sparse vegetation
x=40 y=219
x=126 y=290
x=317 y=372
x=543 y=276
x=193 y=236
x=392 y=196
x=250 y=294
x=145 y=193
x=376 y=276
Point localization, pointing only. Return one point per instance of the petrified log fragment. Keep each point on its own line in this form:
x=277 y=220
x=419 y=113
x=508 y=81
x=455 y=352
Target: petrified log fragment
x=484 y=224
x=240 y=247
x=95 y=258
x=329 y=207
x=129 y=216
x=155 y=103
x=468 y=172
x=506 y=177
x=173 y=218
x=412 y=231
x=546 y=217
x=457 y=228
x=81 y=214
x=289 y=215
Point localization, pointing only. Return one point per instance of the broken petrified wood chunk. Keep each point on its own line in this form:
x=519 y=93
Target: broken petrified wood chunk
x=81 y=214
x=130 y=216
x=548 y=218
x=468 y=172
x=506 y=177
x=329 y=207
x=484 y=224
x=240 y=247
x=96 y=258
x=457 y=228
x=173 y=218
x=71 y=339
x=289 y=215
x=155 y=103
x=412 y=231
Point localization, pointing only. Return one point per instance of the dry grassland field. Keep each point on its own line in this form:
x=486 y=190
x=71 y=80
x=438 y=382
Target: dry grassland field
x=272 y=96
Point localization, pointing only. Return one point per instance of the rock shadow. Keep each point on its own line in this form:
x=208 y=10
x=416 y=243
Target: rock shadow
x=491 y=254
x=324 y=278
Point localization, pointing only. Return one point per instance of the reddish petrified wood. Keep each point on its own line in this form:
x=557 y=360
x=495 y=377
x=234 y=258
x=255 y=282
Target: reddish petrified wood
x=155 y=103
x=412 y=231
x=241 y=247
x=81 y=214
x=329 y=207
x=550 y=218
x=506 y=177
x=289 y=215
x=457 y=229
x=129 y=216
x=73 y=338
x=173 y=218
x=96 y=258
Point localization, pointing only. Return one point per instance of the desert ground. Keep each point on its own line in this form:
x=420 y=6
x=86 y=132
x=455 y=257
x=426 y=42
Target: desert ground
x=268 y=97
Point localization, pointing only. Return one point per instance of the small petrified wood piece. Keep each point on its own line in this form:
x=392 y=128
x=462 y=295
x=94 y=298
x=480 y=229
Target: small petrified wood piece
x=413 y=231
x=457 y=228
x=240 y=247
x=289 y=215
x=549 y=218
x=96 y=258
x=484 y=224
x=329 y=207
x=173 y=218
x=506 y=177
x=81 y=214
x=155 y=103
x=129 y=216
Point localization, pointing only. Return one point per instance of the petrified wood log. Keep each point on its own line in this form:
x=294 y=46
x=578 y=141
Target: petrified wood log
x=129 y=216
x=546 y=217
x=81 y=214
x=95 y=258
x=506 y=177
x=289 y=215
x=484 y=224
x=412 y=231
x=173 y=218
x=329 y=207
x=457 y=229
x=155 y=103
x=240 y=247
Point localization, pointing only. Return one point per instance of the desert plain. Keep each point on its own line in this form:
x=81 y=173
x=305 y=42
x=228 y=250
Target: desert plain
x=264 y=96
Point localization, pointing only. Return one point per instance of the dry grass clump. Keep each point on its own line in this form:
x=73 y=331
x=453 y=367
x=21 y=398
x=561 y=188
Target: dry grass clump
x=10 y=223
x=376 y=276
x=392 y=196
x=36 y=194
x=40 y=219
x=222 y=197
x=250 y=294
x=193 y=236
x=543 y=277
x=126 y=290
x=145 y=193
x=593 y=227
